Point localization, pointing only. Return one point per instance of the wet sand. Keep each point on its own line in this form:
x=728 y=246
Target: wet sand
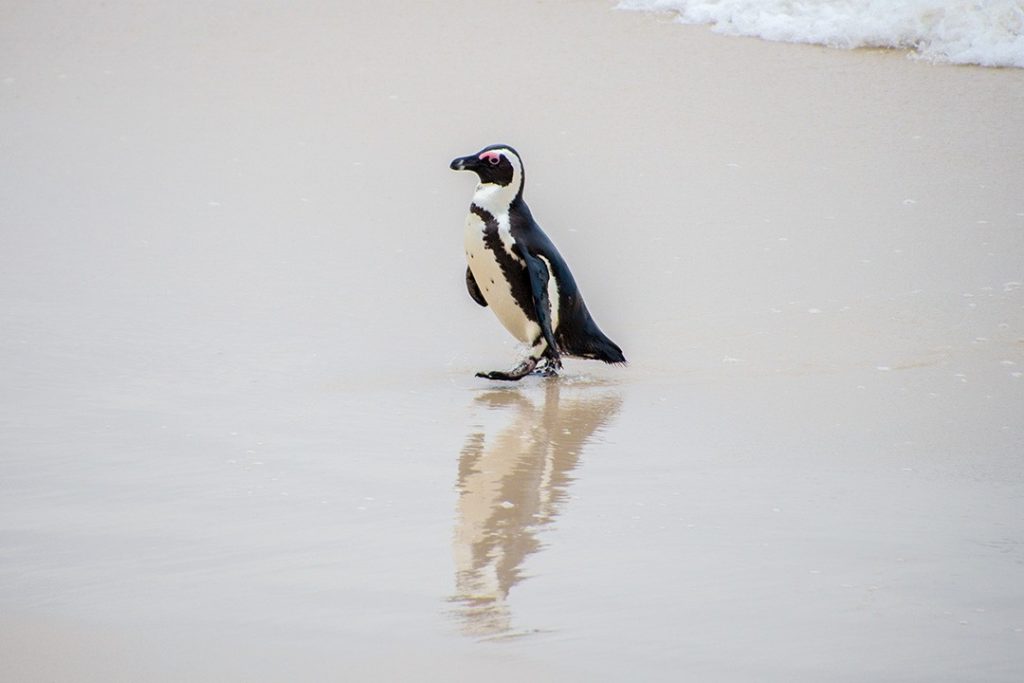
x=241 y=437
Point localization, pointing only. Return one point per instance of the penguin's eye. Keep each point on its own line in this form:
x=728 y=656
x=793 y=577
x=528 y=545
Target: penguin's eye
x=493 y=158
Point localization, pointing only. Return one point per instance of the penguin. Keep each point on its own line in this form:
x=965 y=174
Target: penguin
x=515 y=269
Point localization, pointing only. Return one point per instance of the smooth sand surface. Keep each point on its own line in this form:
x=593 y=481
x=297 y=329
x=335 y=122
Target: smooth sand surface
x=241 y=437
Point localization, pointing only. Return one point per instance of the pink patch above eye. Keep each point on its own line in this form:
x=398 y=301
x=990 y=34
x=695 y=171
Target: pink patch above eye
x=492 y=157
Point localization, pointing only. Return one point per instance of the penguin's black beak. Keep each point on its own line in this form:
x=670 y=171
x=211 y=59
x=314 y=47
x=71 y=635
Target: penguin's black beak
x=470 y=163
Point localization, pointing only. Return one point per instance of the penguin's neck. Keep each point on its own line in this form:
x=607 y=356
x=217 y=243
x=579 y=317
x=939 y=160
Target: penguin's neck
x=495 y=199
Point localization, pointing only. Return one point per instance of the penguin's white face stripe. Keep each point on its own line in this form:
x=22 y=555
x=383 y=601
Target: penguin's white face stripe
x=493 y=156
x=494 y=198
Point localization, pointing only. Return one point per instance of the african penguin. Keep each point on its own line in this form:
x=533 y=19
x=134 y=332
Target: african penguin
x=516 y=270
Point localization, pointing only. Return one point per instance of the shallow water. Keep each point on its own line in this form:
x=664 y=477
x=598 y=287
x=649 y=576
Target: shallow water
x=614 y=528
x=241 y=437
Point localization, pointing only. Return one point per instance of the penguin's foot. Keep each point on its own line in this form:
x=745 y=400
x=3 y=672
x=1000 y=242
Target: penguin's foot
x=514 y=375
x=548 y=367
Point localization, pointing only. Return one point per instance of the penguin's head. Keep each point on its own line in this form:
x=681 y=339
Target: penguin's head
x=495 y=165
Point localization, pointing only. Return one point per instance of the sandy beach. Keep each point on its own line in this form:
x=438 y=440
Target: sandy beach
x=240 y=434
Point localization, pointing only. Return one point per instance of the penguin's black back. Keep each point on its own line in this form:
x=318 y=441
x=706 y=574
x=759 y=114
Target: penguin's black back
x=577 y=333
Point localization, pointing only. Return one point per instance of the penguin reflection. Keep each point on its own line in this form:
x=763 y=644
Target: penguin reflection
x=512 y=485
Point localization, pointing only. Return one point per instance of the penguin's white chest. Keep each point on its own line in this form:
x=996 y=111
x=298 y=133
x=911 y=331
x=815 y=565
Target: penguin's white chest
x=492 y=281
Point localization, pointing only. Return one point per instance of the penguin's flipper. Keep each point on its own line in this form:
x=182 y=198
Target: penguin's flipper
x=474 y=288
x=538 y=272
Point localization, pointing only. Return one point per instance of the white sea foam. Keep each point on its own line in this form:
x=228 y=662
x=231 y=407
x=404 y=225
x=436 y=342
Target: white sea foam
x=985 y=32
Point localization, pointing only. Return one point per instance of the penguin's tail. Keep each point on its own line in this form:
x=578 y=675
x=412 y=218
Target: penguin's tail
x=597 y=346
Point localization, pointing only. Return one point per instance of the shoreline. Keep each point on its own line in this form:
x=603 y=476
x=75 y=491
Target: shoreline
x=937 y=35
